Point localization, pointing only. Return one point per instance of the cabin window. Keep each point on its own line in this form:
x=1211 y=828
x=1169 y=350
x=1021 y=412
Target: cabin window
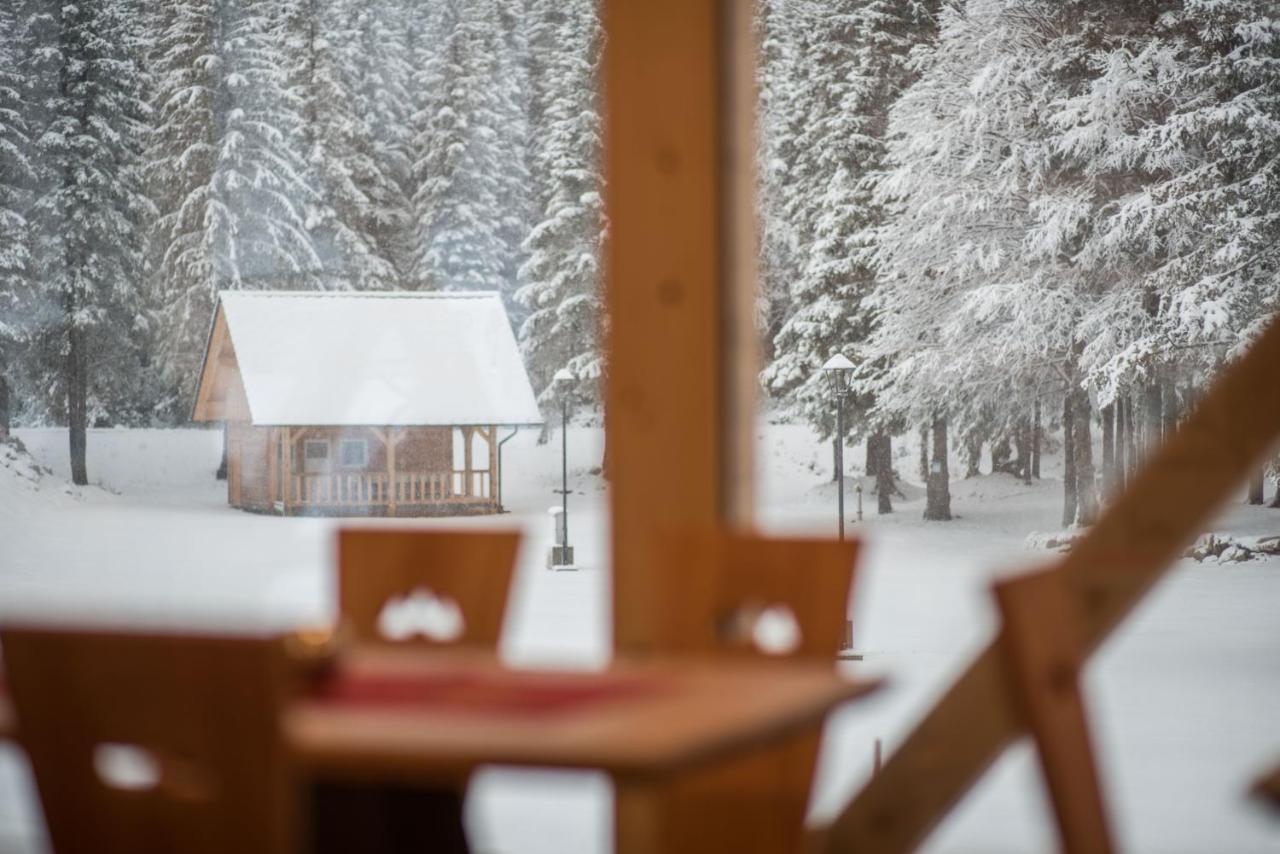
x=315 y=455
x=354 y=453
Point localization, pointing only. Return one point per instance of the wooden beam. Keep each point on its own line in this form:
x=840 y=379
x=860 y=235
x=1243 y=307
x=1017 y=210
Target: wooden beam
x=287 y=452
x=393 y=439
x=492 y=437
x=273 y=468
x=466 y=461
x=1044 y=655
x=680 y=406
x=1166 y=505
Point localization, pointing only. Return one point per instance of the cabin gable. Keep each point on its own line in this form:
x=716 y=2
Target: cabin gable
x=220 y=395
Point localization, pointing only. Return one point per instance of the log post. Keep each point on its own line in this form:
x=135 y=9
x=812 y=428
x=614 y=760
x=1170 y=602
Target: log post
x=466 y=461
x=273 y=469
x=679 y=178
x=287 y=453
x=492 y=437
x=393 y=436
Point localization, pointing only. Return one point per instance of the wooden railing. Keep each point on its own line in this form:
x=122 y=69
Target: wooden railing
x=373 y=489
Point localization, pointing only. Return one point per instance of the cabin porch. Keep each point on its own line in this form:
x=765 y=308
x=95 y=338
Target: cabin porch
x=363 y=471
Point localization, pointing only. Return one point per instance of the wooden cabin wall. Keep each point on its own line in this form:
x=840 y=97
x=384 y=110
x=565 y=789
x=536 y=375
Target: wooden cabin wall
x=421 y=449
x=425 y=449
x=248 y=452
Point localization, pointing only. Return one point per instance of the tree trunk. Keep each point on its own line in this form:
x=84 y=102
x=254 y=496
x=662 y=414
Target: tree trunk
x=924 y=453
x=221 y=473
x=1118 y=464
x=938 y=494
x=880 y=456
x=1171 y=410
x=1275 y=499
x=1130 y=437
x=1068 y=463
x=972 y=453
x=1086 y=486
x=1002 y=456
x=1258 y=487
x=1022 y=445
x=1035 y=441
x=77 y=382
x=1109 y=449
x=604 y=458
x=4 y=408
x=1153 y=417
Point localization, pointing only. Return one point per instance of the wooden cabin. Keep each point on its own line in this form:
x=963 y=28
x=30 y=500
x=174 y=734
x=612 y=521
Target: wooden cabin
x=378 y=404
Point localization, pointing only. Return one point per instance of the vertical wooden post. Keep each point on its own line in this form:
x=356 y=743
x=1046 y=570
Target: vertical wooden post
x=273 y=469
x=492 y=436
x=466 y=461
x=393 y=435
x=679 y=84
x=287 y=482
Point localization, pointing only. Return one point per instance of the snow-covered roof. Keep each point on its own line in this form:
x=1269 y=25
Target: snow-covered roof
x=395 y=358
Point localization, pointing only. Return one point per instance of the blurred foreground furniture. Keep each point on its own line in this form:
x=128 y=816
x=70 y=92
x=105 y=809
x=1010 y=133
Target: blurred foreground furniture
x=420 y=589
x=1233 y=429
x=425 y=718
x=776 y=601
x=425 y=586
x=150 y=744
x=1267 y=789
x=1042 y=639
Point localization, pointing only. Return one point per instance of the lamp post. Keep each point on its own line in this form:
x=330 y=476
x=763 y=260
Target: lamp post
x=562 y=552
x=838 y=371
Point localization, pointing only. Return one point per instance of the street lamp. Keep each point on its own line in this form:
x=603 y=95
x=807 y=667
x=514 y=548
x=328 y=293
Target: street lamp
x=839 y=375
x=562 y=552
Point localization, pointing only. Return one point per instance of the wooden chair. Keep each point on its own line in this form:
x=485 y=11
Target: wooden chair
x=463 y=580
x=756 y=804
x=154 y=744
x=462 y=574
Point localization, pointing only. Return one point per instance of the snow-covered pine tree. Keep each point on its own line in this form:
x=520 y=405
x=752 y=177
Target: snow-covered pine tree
x=458 y=165
x=384 y=77
x=780 y=120
x=560 y=281
x=16 y=179
x=225 y=150
x=975 y=306
x=1190 y=113
x=90 y=215
x=825 y=114
x=515 y=145
x=352 y=215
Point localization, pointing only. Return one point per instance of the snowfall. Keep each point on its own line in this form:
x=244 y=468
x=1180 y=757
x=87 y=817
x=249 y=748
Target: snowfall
x=1184 y=699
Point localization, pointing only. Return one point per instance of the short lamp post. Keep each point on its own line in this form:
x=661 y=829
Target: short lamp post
x=561 y=551
x=838 y=372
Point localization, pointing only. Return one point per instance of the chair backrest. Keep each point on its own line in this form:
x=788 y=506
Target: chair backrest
x=765 y=596
x=746 y=588
x=154 y=744
x=425 y=586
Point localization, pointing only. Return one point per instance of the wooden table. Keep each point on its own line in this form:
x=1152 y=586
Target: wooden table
x=413 y=717
x=645 y=723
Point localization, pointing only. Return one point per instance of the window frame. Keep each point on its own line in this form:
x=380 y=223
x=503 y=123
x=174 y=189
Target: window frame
x=316 y=464
x=342 y=457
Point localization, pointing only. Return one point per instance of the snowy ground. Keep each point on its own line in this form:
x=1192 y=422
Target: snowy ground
x=1184 y=699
